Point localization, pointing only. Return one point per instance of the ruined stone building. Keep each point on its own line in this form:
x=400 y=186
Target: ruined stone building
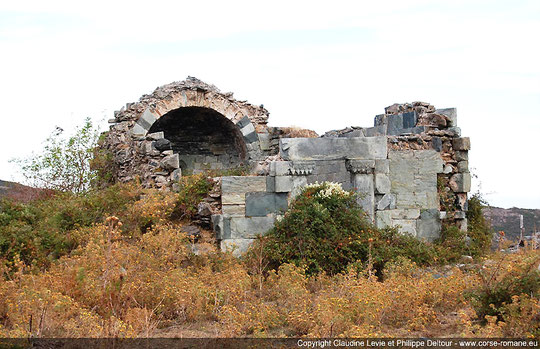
x=411 y=167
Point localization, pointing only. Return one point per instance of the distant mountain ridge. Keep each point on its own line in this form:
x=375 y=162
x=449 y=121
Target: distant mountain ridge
x=18 y=191
x=507 y=220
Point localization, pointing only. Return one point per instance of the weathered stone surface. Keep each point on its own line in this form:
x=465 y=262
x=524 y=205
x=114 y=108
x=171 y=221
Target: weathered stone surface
x=406 y=226
x=170 y=162
x=237 y=246
x=463 y=166
x=283 y=184
x=233 y=198
x=162 y=144
x=243 y=184
x=387 y=202
x=382 y=166
x=428 y=227
x=375 y=131
x=360 y=166
x=250 y=227
x=176 y=175
x=460 y=182
x=155 y=136
x=261 y=204
x=280 y=168
x=436 y=142
x=407 y=214
x=236 y=210
x=463 y=143
x=382 y=183
x=363 y=185
x=382 y=219
x=450 y=113
x=462 y=155
x=333 y=148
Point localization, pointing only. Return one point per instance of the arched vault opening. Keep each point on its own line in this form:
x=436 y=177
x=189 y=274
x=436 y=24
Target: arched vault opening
x=203 y=138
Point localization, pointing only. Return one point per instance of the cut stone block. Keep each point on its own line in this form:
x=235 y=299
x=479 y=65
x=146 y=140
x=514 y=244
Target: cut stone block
x=170 y=162
x=236 y=210
x=460 y=183
x=360 y=166
x=387 y=202
x=401 y=214
x=382 y=166
x=406 y=226
x=250 y=227
x=243 y=184
x=409 y=119
x=147 y=119
x=233 y=198
x=333 y=148
x=363 y=185
x=428 y=227
x=463 y=143
x=283 y=184
x=261 y=204
x=237 y=246
x=155 y=136
x=463 y=166
x=462 y=155
x=279 y=168
x=382 y=219
x=382 y=183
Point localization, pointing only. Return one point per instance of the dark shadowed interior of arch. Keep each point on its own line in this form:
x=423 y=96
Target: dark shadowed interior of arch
x=204 y=139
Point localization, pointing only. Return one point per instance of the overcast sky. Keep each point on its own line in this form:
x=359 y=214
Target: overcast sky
x=320 y=65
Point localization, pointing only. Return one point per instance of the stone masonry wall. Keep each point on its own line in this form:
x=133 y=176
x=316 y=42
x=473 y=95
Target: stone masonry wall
x=410 y=168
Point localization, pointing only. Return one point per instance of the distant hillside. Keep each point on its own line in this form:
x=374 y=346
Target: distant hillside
x=507 y=220
x=18 y=191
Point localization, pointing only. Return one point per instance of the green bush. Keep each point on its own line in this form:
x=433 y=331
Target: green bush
x=324 y=229
x=193 y=189
x=503 y=279
x=479 y=229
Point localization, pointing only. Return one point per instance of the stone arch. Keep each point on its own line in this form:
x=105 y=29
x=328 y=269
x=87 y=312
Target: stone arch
x=203 y=139
x=208 y=98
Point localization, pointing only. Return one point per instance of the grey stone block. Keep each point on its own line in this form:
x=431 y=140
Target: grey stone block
x=279 y=168
x=243 y=122
x=137 y=130
x=251 y=137
x=155 y=136
x=436 y=143
x=463 y=143
x=382 y=219
x=387 y=202
x=382 y=183
x=462 y=155
x=409 y=119
x=261 y=204
x=455 y=130
x=407 y=214
x=375 y=131
x=283 y=184
x=243 y=184
x=460 y=182
x=233 y=198
x=382 y=166
x=162 y=144
x=428 y=227
x=237 y=246
x=380 y=120
x=450 y=113
x=176 y=175
x=270 y=184
x=234 y=209
x=406 y=226
x=170 y=162
x=363 y=185
x=250 y=227
x=333 y=148
x=360 y=166
x=395 y=124
x=249 y=128
x=147 y=119
x=298 y=183
x=222 y=226
x=264 y=141
x=463 y=166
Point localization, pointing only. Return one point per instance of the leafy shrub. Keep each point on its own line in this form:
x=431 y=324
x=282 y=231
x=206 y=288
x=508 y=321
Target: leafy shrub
x=511 y=275
x=478 y=228
x=192 y=190
x=325 y=230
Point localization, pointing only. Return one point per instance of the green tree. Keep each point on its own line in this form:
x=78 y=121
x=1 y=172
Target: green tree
x=64 y=163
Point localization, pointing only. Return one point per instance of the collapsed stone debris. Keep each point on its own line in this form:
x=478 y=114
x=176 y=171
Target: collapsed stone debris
x=411 y=168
